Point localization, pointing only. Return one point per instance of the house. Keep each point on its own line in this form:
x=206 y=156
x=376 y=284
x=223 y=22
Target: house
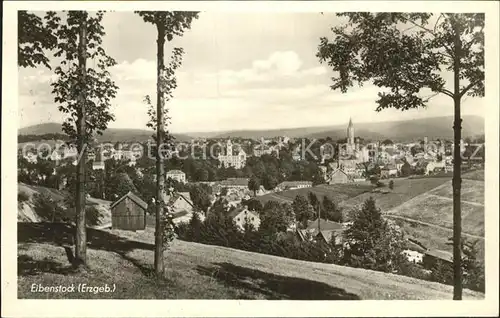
x=98 y=165
x=388 y=171
x=321 y=230
x=70 y=152
x=290 y=185
x=434 y=166
x=339 y=176
x=182 y=207
x=263 y=149
x=399 y=164
x=31 y=157
x=432 y=257
x=242 y=215
x=323 y=170
x=129 y=213
x=413 y=256
x=234 y=183
x=177 y=175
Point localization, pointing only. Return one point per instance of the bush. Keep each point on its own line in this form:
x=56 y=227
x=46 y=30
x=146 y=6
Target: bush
x=22 y=197
x=91 y=215
x=48 y=209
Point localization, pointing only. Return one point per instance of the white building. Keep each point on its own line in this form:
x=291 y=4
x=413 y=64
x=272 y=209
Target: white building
x=242 y=215
x=230 y=159
x=177 y=175
x=413 y=256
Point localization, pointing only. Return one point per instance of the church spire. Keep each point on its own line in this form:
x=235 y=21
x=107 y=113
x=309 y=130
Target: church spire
x=350 y=122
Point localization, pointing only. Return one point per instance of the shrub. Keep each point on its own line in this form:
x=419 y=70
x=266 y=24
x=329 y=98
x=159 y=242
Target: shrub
x=48 y=209
x=91 y=215
x=22 y=197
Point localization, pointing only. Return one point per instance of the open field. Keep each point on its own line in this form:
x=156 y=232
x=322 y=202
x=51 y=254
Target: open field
x=336 y=192
x=404 y=190
x=474 y=175
x=196 y=271
x=434 y=237
x=471 y=191
x=439 y=211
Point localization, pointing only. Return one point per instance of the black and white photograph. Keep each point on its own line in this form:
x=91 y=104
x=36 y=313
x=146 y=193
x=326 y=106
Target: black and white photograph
x=187 y=152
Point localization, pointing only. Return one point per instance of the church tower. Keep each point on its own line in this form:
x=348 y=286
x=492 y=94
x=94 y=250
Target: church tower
x=350 y=134
x=229 y=148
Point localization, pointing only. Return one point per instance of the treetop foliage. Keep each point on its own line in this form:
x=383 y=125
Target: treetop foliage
x=405 y=53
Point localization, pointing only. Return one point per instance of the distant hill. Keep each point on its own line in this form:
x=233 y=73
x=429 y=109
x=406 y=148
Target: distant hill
x=110 y=134
x=434 y=127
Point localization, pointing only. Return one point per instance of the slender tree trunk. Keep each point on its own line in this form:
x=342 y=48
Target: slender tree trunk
x=457 y=168
x=160 y=182
x=81 y=234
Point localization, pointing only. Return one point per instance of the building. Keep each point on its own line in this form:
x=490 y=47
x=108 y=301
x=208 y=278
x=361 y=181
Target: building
x=236 y=159
x=98 y=165
x=70 y=152
x=177 y=175
x=232 y=183
x=432 y=257
x=182 y=207
x=321 y=230
x=324 y=172
x=435 y=166
x=242 y=216
x=351 y=147
x=339 y=176
x=290 y=185
x=413 y=256
x=31 y=157
x=264 y=149
x=388 y=171
x=129 y=213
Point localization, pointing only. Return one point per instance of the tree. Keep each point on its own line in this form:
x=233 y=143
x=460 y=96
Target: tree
x=303 y=210
x=273 y=219
x=254 y=184
x=406 y=169
x=35 y=37
x=313 y=199
x=83 y=94
x=371 y=242
x=200 y=196
x=269 y=182
x=387 y=142
x=406 y=53
x=331 y=211
x=119 y=185
x=168 y=24
x=391 y=184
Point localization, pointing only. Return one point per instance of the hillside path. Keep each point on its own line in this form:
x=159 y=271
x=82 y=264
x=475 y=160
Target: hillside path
x=430 y=225
x=451 y=199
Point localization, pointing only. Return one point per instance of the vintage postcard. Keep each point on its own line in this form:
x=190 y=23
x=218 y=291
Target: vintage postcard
x=250 y=158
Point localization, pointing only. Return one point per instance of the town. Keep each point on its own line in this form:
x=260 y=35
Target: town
x=253 y=168
x=246 y=174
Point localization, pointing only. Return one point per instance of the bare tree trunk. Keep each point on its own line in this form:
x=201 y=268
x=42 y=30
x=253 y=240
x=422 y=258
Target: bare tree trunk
x=81 y=234
x=160 y=182
x=457 y=168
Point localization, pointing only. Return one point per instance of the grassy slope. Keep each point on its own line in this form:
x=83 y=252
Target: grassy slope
x=435 y=207
x=336 y=192
x=196 y=271
x=404 y=190
x=27 y=209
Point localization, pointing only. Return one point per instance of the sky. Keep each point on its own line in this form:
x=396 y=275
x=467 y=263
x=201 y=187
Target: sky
x=240 y=71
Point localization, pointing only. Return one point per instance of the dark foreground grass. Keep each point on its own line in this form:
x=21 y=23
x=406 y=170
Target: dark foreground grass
x=124 y=261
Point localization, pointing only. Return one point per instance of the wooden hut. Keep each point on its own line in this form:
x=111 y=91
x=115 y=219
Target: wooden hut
x=129 y=213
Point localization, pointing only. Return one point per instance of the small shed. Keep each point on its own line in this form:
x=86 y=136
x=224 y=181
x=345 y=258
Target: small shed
x=129 y=213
